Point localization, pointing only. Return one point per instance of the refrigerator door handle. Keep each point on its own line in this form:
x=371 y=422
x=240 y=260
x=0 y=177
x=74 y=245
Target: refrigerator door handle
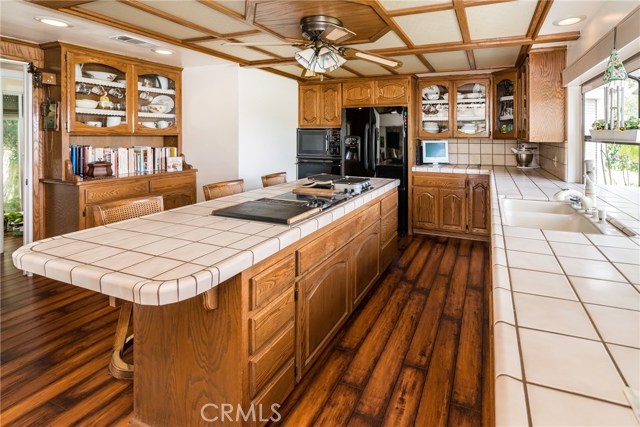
x=366 y=147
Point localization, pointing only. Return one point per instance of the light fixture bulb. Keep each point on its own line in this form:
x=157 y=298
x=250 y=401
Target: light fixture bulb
x=163 y=51
x=569 y=21
x=52 y=22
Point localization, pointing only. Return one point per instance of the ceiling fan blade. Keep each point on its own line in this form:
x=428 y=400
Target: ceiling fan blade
x=371 y=57
x=336 y=34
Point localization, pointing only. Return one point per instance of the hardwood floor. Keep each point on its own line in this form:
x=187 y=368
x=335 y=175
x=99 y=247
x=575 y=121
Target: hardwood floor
x=56 y=344
x=415 y=353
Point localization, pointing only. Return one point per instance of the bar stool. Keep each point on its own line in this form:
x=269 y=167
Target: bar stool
x=108 y=213
x=223 y=188
x=274 y=179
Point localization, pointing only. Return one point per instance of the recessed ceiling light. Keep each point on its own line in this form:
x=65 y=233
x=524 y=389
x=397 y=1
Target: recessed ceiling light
x=569 y=21
x=52 y=21
x=163 y=51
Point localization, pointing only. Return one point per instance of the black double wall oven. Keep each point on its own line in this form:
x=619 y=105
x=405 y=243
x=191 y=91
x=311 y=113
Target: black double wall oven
x=318 y=151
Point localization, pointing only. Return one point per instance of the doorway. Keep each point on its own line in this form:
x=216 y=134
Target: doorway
x=16 y=150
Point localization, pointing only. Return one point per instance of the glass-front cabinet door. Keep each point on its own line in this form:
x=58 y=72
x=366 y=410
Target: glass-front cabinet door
x=98 y=95
x=472 y=108
x=158 y=101
x=435 y=114
x=504 y=123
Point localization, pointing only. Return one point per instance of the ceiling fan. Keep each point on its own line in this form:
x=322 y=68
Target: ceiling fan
x=321 y=53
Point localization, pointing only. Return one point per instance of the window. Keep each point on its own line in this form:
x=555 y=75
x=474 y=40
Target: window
x=616 y=163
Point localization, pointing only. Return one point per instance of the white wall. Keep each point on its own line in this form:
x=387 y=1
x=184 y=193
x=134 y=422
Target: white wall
x=268 y=118
x=210 y=122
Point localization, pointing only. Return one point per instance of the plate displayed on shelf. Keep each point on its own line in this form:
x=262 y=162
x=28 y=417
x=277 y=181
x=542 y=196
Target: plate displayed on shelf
x=165 y=100
x=101 y=75
x=431 y=92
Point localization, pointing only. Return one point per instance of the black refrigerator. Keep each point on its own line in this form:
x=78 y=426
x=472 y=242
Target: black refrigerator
x=374 y=143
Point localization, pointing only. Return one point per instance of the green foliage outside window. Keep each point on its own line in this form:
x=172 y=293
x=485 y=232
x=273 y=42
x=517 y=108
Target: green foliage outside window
x=11 y=166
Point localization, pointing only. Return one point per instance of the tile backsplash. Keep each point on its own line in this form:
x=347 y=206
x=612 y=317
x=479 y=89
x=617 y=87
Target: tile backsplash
x=482 y=152
x=553 y=159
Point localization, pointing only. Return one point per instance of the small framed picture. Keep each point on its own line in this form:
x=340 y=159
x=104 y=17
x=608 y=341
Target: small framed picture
x=174 y=164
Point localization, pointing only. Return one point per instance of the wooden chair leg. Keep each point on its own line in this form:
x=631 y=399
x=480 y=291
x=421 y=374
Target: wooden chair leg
x=119 y=368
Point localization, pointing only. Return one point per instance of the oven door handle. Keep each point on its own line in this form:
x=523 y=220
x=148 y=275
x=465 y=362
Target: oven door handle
x=337 y=163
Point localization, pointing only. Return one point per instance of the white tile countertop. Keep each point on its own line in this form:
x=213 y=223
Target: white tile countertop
x=566 y=309
x=177 y=254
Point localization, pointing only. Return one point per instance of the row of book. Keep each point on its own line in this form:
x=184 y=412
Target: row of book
x=125 y=161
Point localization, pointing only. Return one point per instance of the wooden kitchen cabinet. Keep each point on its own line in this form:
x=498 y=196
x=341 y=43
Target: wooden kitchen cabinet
x=454 y=107
x=323 y=306
x=479 y=204
x=378 y=92
x=505 y=105
x=541 y=97
x=320 y=105
x=119 y=95
x=365 y=251
x=451 y=204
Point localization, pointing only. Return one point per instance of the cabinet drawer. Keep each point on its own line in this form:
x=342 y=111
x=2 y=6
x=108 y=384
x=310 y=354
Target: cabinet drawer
x=275 y=392
x=389 y=203
x=324 y=246
x=267 y=285
x=264 y=366
x=172 y=183
x=116 y=191
x=439 y=181
x=389 y=226
x=270 y=321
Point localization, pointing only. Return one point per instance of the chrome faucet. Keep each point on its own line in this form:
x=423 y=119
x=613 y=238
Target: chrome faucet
x=586 y=202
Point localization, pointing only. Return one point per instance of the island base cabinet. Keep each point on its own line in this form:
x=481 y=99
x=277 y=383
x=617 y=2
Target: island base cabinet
x=260 y=331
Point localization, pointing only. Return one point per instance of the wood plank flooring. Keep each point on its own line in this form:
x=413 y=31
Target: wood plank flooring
x=415 y=352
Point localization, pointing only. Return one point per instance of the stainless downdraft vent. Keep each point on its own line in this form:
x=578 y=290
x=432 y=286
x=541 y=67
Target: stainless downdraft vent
x=134 y=41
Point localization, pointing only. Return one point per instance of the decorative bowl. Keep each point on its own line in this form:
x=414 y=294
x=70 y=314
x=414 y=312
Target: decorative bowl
x=101 y=75
x=86 y=103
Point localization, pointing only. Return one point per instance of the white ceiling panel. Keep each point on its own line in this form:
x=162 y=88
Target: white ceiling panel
x=567 y=9
x=237 y=51
x=429 y=28
x=410 y=65
x=444 y=61
x=389 y=40
x=124 y=13
x=500 y=19
x=285 y=51
x=496 y=57
x=341 y=73
x=199 y=14
x=367 y=68
x=235 y=5
x=294 y=70
x=407 y=4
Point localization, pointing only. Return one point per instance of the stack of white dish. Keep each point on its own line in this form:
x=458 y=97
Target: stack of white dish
x=431 y=127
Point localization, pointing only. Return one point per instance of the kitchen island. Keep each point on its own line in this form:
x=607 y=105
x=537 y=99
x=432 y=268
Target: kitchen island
x=566 y=307
x=228 y=314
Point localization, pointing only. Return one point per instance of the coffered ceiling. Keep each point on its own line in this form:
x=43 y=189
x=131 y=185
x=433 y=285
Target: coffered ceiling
x=425 y=35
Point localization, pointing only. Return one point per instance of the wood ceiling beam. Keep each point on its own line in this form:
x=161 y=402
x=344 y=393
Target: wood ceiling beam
x=539 y=15
x=479 y=44
x=106 y=20
x=461 y=16
x=440 y=7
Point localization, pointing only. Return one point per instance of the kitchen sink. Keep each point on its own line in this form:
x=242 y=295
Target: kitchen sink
x=533 y=206
x=546 y=216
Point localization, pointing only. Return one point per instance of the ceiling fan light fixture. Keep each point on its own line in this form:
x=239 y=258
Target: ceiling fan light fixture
x=329 y=59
